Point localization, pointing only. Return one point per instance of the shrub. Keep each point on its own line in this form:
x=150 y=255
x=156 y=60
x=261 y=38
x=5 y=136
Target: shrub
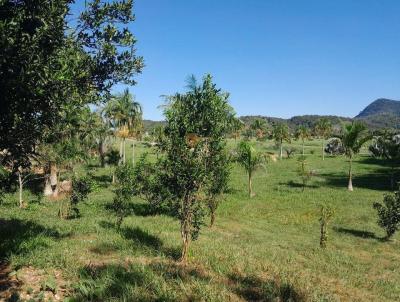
x=389 y=213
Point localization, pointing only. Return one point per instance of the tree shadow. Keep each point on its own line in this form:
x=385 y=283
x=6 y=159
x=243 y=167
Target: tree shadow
x=253 y=288
x=143 y=209
x=293 y=184
x=21 y=237
x=103 y=180
x=379 y=180
x=357 y=233
x=150 y=242
x=142 y=237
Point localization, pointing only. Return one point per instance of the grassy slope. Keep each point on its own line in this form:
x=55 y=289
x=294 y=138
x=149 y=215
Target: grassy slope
x=259 y=249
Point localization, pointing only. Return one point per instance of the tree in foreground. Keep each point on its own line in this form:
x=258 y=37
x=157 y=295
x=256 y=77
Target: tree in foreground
x=193 y=156
x=250 y=160
x=303 y=133
x=389 y=213
x=353 y=137
x=281 y=134
x=323 y=129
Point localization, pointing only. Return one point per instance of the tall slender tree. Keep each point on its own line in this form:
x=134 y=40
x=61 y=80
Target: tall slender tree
x=281 y=134
x=125 y=114
x=250 y=160
x=323 y=129
x=303 y=133
x=353 y=137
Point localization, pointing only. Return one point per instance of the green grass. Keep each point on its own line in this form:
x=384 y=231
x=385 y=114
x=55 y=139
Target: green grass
x=260 y=249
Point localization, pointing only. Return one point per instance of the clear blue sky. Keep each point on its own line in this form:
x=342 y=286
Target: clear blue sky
x=277 y=58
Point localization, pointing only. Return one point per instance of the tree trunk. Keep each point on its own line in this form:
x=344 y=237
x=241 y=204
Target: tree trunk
x=212 y=218
x=303 y=148
x=251 y=193
x=350 y=186
x=133 y=152
x=121 y=152
x=323 y=150
x=281 y=150
x=47 y=191
x=101 y=153
x=185 y=234
x=53 y=179
x=21 y=184
x=124 y=150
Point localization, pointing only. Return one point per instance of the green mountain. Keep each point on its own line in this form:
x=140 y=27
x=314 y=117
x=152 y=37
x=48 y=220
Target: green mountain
x=381 y=113
x=379 y=107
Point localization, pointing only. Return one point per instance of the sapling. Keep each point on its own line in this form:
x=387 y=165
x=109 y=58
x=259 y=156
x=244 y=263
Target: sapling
x=389 y=213
x=124 y=192
x=81 y=187
x=327 y=213
x=303 y=171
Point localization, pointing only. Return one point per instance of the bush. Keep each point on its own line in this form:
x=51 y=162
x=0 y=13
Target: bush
x=389 y=213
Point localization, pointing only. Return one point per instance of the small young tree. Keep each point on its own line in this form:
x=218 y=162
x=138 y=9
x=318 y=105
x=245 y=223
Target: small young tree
x=281 y=134
x=196 y=125
x=323 y=129
x=112 y=159
x=81 y=188
x=250 y=160
x=326 y=215
x=303 y=133
x=124 y=192
x=389 y=213
x=303 y=171
x=353 y=137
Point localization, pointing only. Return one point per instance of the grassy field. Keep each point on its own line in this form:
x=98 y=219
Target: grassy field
x=260 y=249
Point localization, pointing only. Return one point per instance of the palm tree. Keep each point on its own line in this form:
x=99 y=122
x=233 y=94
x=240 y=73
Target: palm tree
x=281 y=133
x=125 y=115
x=323 y=129
x=260 y=128
x=353 y=137
x=303 y=133
x=250 y=160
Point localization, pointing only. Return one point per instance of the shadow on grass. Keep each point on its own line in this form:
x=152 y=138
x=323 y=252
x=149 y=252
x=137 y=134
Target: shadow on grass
x=378 y=180
x=152 y=243
x=358 y=233
x=21 y=237
x=252 y=288
x=293 y=184
x=103 y=181
x=143 y=209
